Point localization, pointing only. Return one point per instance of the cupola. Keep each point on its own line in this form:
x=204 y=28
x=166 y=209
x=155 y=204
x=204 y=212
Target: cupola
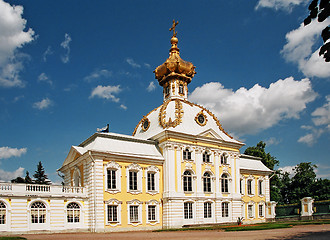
x=175 y=74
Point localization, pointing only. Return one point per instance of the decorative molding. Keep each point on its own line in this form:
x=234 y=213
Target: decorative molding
x=113 y=201
x=201 y=118
x=178 y=114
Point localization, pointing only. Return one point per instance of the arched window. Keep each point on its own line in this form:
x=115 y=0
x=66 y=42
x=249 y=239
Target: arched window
x=73 y=212
x=224 y=158
x=224 y=183
x=76 y=178
x=2 y=213
x=38 y=212
x=181 y=89
x=187 y=181
x=207 y=182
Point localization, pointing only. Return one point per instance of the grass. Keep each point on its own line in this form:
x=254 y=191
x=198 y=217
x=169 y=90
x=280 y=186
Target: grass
x=252 y=227
x=12 y=238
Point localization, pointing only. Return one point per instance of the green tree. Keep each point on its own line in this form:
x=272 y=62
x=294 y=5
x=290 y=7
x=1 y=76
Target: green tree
x=320 y=9
x=40 y=176
x=321 y=189
x=303 y=180
x=259 y=151
x=285 y=188
x=270 y=162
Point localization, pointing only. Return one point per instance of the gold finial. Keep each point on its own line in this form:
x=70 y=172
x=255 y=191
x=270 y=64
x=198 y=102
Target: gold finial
x=173 y=27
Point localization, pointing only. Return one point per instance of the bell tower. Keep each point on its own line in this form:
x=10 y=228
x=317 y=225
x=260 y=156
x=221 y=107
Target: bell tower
x=175 y=74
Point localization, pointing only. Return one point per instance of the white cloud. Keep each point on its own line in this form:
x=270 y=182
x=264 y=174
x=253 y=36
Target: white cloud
x=131 y=62
x=7 y=176
x=280 y=4
x=147 y=65
x=97 y=74
x=321 y=120
x=248 y=111
x=299 y=49
x=322 y=114
x=43 y=104
x=122 y=106
x=8 y=152
x=151 y=86
x=272 y=141
x=322 y=171
x=44 y=78
x=48 y=52
x=288 y=169
x=107 y=92
x=66 y=45
x=12 y=38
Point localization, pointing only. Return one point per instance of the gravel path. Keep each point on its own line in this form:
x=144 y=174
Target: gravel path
x=297 y=232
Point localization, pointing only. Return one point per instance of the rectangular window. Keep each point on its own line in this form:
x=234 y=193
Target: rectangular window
x=112 y=213
x=250 y=211
x=151 y=182
x=241 y=186
x=249 y=187
x=111 y=174
x=207 y=210
x=261 y=210
x=188 y=211
x=132 y=180
x=225 y=210
x=133 y=213
x=186 y=154
x=260 y=188
x=151 y=213
x=206 y=157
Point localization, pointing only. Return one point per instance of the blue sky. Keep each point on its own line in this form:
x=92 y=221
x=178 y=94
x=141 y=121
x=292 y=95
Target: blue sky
x=69 y=67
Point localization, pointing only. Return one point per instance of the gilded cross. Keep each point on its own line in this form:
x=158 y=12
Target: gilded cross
x=173 y=27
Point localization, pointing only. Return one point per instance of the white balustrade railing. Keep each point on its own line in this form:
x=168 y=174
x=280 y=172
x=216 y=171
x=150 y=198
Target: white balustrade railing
x=18 y=189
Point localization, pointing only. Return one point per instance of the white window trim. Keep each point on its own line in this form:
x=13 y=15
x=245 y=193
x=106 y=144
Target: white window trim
x=134 y=202
x=208 y=152
x=39 y=226
x=135 y=168
x=81 y=216
x=6 y=226
x=155 y=170
x=229 y=208
x=242 y=182
x=253 y=209
x=212 y=210
x=226 y=154
x=212 y=176
x=156 y=204
x=229 y=182
x=192 y=209
x=262 y=204
x=113 y=202
x=262 y=180
x=253 y=186
x=113 y=166
x=193 y=178
x=243 y=208
x=191 y=150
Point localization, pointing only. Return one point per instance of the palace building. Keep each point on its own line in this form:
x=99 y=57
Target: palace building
x=179 y=168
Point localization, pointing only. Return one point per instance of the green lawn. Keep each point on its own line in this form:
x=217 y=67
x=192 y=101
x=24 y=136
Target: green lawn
x=12 y=238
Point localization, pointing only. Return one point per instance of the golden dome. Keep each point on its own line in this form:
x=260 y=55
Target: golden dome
x=174 y=67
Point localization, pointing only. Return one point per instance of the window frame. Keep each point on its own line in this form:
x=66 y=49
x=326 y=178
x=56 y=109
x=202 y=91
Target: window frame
x=113 y=203
x=188 y=213
x=224 y=159
x=187 y=154
x=251 y=211
x=207 y=183
x=155 y=171
x=155 y=204
x=225 y=180
x=74 y=210
x=225 y=209
x=113 y=166
x=137 y=212
x=130 y=179
x=208 y=210
x=41 y=213
x=206 y=157
x=3 y=213
x=187 y=181
x=261 y=208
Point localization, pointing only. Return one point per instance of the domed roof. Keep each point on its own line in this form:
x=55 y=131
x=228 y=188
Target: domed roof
x=180 y=116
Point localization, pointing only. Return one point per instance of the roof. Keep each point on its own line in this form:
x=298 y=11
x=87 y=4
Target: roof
x=252 y=164
x=180 y=115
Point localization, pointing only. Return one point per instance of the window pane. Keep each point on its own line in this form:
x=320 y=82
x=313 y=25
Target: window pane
x=112 y=213
x=207 y=210
x=132 y=180
x=151 y=182
x=188 y=214
x=151 y=213
x=133 y=214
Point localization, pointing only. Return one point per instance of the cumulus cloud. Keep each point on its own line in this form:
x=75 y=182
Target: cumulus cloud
x=13 y=37
x=321 y=120
x=44 y=78
x=151 y=86
x=280 y=4
x=7 y=176
x=43 y=104
x=98 y=74
x=248 y=111
x=66 y=45
x=272 y=141
x=8 y=152
x=300 y=49
x=288 y=169
x=147 y=65
x=47 y=53
x=107 y=92
x=131 y=62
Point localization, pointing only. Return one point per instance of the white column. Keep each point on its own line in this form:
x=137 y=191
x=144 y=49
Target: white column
x=307 y=206
x=198 y=162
